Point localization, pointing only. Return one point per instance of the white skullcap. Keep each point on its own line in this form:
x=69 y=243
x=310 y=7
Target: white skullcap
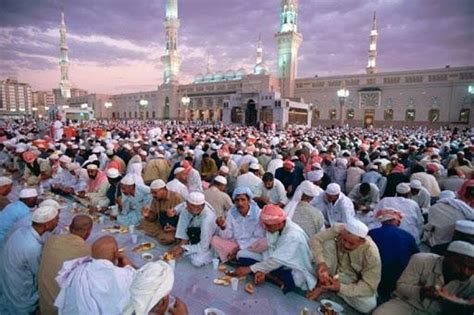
x=128 y=180
x=333 y=189
x=415 y=184
x=403 y=188
x=196 y=198
x=224 y=169
x=96 y=150
x=315 y=176
x=357 y=228
x=254 y=166
x=109 y=152
x=113 y=173
x=143 y=152
x=127 y=146
x=44 y=214
x=373 y=167
x=4 y=181
x=462 y=248
x=92 y=166
x=221 y=180
x=157 y=184
x=54 y=156
x=309 y=189
x=65 y=159
x=447 y=194
x=465 y=226
x=50 y=203
x=74 y=147
x=82 y=147
x=136 y=145
x=152 y=283
x=28 y=193
x=178 y=170
x=316 y=165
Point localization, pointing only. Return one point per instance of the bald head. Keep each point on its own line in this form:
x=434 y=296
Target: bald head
x=81 y=226
x=105 y=248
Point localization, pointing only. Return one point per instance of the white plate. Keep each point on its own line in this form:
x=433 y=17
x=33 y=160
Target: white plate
x=335 y=306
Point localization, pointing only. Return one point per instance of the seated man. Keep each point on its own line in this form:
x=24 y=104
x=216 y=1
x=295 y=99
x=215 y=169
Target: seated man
x=217 y=197
x=442 y=218
x=149 y=292
x=6 y=186
x=365 y=197
x=20 y=261
x=420 y=195
x=395 y=245
x=309 y=218
x=270 y=191
x=114 y=178
x=240 y=234
x=95 y=284
x=160 y=220
x=348 y=263
x=433 y=284
x=334 y=205
x=97 y=186
x=463 y=231
x=288 y=258
x=134 y=199
x=196 y=225
x=57 y=250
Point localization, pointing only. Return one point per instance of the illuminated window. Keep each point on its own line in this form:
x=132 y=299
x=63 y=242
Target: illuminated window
x=388 y=114
x=350 y=114
x=410 y=115
x=464 y=115
x=332 y=114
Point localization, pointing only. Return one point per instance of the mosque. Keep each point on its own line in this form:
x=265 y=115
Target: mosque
x=429 y=97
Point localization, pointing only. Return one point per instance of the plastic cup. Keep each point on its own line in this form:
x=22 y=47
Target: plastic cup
x=234 y=282
x=134 y=238
x=114 y=211
x=215 y=263
x=101 y=219
x=131 y=229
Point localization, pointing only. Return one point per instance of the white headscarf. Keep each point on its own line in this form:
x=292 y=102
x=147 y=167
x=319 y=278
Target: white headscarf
x=152 y=282
x=448 y=197
x=136 y=172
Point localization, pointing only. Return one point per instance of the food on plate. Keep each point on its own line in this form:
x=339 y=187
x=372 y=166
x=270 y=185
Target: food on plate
x=249 y=288
x=221 y=268
x=222 y=282
x=144 y=247
x=147 y=256
x=168 y=257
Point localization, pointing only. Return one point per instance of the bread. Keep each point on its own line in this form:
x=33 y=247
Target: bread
x=221 y=268
x=168 y=257
x=221 y=282
x=249 y=288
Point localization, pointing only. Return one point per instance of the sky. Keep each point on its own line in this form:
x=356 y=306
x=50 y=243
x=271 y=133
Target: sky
x=115 y=45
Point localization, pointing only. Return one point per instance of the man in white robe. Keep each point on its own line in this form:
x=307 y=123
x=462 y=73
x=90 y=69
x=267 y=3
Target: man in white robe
x=335 y=206
x=96 y=285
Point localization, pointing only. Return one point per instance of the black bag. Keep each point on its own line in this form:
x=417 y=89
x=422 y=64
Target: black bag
x=194 y=235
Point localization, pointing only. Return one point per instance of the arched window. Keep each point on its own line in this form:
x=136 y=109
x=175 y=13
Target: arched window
x=166 y=108
x=410 y=115
x=332 y=114
x=350 y=114
x=433 y=115
x=388 y=114
x=464 y=115
x=236 y=115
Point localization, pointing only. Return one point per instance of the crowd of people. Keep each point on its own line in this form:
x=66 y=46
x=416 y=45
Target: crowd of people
x=382 y=218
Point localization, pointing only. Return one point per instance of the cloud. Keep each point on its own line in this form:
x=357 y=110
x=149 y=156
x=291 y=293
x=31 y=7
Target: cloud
x=116 y=45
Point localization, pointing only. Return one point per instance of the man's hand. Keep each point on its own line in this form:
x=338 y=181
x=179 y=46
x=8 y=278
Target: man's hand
x=220 y=221
x=259 y=278
x=179 y=308
x=429 y=293
x=122 y=259
x=322 y=273
x=242 y=271
x=334 y=285
x=145 y=212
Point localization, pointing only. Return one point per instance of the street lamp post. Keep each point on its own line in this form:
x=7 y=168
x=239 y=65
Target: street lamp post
x=342 y=94
x=185 y=100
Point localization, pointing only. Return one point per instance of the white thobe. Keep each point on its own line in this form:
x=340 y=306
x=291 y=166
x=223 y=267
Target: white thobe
x=194 y=181
x=423 y=199
x=274 y=165
x=412 y=220
x=249 y=180
x=339 y=212
x=176 y=186
x=276 y=194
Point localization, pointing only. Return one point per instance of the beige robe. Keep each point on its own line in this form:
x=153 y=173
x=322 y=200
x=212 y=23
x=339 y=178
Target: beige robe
x=219 y=200
x=359 y=270
x=442 y=219
x=156 y=169
x=424 y=269
x=57 y=250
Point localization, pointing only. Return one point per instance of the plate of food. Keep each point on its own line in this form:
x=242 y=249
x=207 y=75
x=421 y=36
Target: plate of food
x=116 y=229
x=167 y=257
x=213 y=311
x=329 y=307
x=143 y=247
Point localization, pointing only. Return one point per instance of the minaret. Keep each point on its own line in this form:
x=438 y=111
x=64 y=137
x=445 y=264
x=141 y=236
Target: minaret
x=208 y=68
x=288 y=40
x=371 y=65
x=172 y=60
x=64 y=84
x=260 y=67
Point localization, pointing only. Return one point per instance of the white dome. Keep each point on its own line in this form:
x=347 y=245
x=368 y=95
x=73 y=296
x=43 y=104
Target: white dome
x=241 y=72
x=198 y=78
x=218 y=76
x=229 y=74
x=209 y=77
x=260 y=68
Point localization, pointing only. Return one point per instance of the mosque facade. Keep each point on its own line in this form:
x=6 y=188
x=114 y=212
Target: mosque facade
x=430 y=97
